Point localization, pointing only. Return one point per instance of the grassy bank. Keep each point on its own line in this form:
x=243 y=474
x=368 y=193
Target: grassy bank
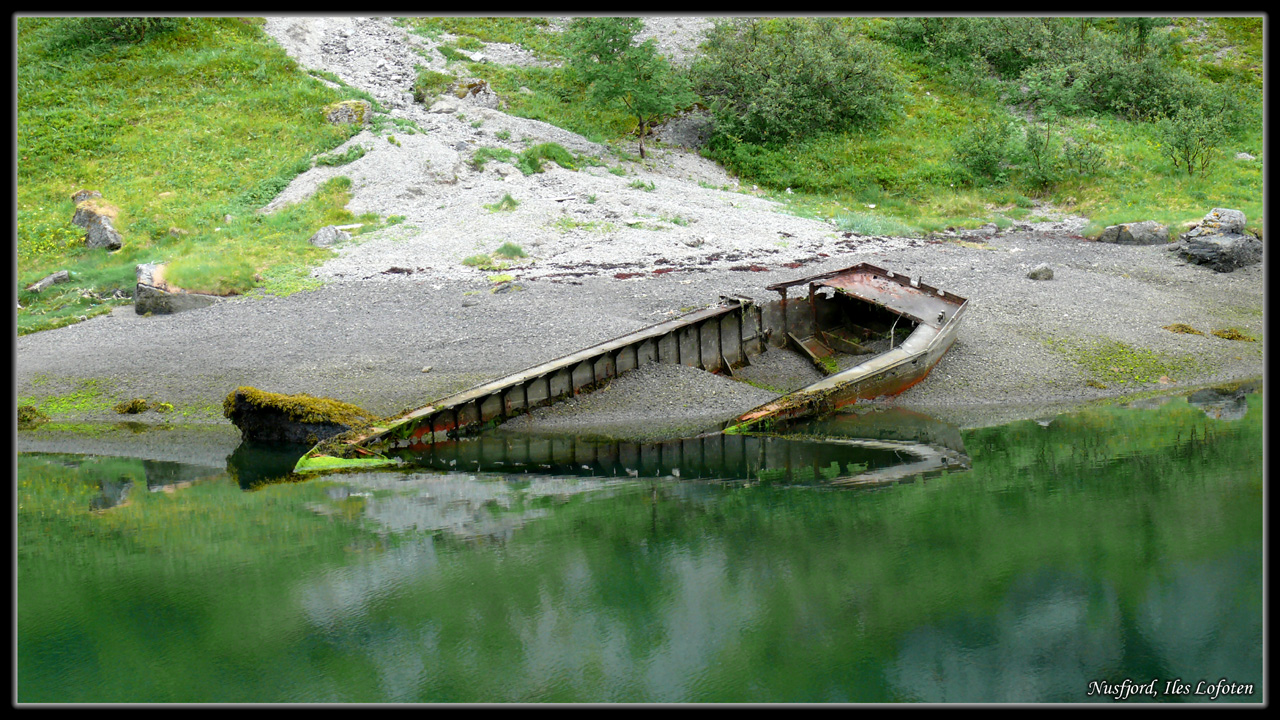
x=187 y=131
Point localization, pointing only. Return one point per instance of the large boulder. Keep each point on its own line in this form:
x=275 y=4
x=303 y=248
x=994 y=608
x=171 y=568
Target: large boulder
x=268 y=417
x=1148 y=232
x=98 y=218
x=1220 y=221
x=1219 y=242
x=153 y=295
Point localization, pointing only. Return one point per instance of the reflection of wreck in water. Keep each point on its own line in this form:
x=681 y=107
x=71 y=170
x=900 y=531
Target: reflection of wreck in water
x=887 y=331
x=882 y=446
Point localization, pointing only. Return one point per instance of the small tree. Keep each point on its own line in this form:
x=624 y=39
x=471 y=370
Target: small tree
x=1190 y=137
x=1041 y=170
x=603 y=54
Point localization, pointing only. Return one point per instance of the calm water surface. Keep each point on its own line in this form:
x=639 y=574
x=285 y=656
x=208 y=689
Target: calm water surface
x=1044 y=561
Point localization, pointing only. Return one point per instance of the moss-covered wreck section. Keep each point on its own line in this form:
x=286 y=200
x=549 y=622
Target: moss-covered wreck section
x=276 y=418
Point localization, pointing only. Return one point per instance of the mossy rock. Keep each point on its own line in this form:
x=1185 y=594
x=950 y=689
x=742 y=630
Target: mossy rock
x=30 y=415
x=1233 y=334
x=132 y=407
x=349 y=112
x=273 y=417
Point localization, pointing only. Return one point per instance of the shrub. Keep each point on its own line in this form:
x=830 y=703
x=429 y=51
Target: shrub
x=485 y=154
x=1041 y=171
x=1082 y=156
x=1190 y=138
x=775 y=80
x=983 y=151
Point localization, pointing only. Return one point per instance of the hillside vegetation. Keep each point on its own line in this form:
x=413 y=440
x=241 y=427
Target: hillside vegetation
x=190 y=125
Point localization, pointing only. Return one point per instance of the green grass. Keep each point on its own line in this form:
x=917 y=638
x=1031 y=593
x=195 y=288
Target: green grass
x=506 y=204
x=531 y=32
x=868 y=224
x=908 y=169
x=353 y=153
x=510 y=251
x=565 y=224
x=177 y=131
x=89 y=395
x=1111 y=363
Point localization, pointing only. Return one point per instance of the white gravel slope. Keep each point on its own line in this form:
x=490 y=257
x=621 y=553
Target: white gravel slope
x=665 y=212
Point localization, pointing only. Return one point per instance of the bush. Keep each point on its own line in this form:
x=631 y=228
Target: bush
x=983 y=152
x=1083 y=157
x=1041 y=167
x=1190 y=138
x=776 y=80
x=510 y=250
x=1064 y=65
x=530 y=161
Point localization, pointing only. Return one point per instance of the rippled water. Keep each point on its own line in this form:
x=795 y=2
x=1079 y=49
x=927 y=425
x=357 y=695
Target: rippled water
x=1070 y=555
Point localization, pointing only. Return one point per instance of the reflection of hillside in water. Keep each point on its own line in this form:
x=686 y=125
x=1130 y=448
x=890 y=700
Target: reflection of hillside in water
x=460 y=504
x=1224 y=402
x=117 y=477
x=1056 y=633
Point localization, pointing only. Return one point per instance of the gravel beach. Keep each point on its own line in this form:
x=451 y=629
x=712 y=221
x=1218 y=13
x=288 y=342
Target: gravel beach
x=401 y=320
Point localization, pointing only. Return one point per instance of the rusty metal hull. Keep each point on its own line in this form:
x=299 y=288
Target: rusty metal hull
x=937 y=315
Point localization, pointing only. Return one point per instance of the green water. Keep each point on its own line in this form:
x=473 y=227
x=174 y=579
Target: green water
x=1107 y=545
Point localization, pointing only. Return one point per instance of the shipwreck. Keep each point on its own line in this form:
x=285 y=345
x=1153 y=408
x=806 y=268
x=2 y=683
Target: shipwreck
x=871 y=333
